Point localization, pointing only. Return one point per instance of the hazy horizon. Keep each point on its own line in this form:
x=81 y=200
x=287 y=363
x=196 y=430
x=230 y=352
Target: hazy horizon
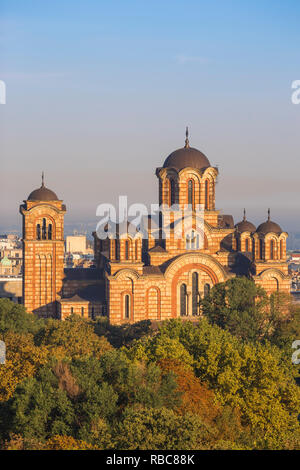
x=99 y=94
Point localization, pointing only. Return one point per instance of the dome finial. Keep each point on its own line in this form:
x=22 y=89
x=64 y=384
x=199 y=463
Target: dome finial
x=187 y=143
x=42 y=179
x=244 y=218
x=269 y=212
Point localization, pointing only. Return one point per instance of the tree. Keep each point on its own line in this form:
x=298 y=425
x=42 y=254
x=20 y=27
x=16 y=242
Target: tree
x=160 y=429
x=249 y=377
x=196 y=398
x=72 y=338
x=39 y=408
x=23 y=359
x=243 y=308
x=13 y=318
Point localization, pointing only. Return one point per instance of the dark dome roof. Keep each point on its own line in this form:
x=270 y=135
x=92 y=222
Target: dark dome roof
x=42 y=194
x=187 y=157
x=269 y=226
x=245 y=226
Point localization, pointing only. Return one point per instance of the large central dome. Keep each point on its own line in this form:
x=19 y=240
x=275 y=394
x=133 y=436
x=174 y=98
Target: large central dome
x=187 y=157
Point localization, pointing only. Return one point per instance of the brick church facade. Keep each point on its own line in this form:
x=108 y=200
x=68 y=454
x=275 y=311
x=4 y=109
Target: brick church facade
x=154 y=277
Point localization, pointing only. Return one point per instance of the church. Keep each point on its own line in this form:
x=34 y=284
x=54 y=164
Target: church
x=153 y=277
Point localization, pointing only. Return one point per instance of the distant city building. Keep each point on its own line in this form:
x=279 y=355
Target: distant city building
x=151 y=278
x=295 y=258
x=10 y=255
x=76 y=244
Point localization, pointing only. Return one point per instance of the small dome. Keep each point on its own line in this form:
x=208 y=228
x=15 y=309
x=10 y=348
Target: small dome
x=245 y=225
x=42 y=194
x=269 y=226
x=187 y=157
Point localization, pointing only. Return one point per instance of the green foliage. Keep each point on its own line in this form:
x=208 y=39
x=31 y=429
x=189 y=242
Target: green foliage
x=224 y=383
x=72 y=338
x=244 y=376
x=160 y=429
x=13 y=318
x=122 y=335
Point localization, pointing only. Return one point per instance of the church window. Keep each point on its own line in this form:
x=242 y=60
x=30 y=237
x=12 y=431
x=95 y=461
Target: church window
x=261 y=249
x=50 y=232
x=272 y=249
x=281 y=249
x=127 y=250
x=126 y=306
x=195 y=293
x=183 y=299
x=206 y=194
x=192 y=241
x=191 y=193
x=44 y=230
x=136 y=249
x=172 y=192
x=247 y=244
x=38 y=232
x=72 y=310
x=82 y=311
x=206 y=289
x=187 y=242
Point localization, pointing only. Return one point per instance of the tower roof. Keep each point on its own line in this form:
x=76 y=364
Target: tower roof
x=187 y=157
x=269 y=226
x=245 y=225
x=42 y=193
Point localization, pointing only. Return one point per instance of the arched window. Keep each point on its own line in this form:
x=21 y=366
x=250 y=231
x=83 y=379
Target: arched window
x=247 y=246
x=127 y=306
x=44 y=230
x=136 y=250
x=261 y=249
x=127 y=250
x=50 y=232
x=212 y=203
x=195 y=293
x=172 y=192
x=38 y=232
x=192 y=241
x=82 y=311
x=72 y=310
x=183 y=296
x=281 y=249
x=206 y=289
x=187 y=242
x=191 y=193
x=206 y=194
x=272 y=249
x=116 y=250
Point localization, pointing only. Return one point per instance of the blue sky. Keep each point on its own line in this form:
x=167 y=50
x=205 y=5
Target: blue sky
x=99 y=93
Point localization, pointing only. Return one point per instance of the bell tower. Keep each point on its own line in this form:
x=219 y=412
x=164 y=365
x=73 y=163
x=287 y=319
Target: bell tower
x=43 y=251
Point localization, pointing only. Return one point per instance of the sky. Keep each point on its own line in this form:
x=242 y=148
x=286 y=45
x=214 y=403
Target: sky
x=99 y=93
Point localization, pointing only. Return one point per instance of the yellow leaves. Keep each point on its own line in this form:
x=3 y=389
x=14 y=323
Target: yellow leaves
x=67 y=443
x=73 y=339
x=22 y=360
